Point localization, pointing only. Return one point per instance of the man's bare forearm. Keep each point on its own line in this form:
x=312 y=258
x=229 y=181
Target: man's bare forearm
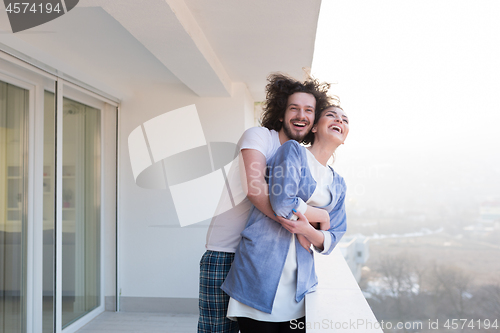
x=253 y=170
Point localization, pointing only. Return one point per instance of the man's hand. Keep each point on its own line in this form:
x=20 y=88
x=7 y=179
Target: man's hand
x=304 y=242
x=315 y=214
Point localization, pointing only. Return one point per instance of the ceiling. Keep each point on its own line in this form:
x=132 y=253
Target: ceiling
x=207 y=45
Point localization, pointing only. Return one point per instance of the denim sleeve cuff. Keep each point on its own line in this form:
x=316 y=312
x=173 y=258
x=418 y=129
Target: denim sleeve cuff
x=301 y=207
x=327 y=242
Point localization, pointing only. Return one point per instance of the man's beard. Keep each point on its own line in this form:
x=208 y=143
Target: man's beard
x=293 y=136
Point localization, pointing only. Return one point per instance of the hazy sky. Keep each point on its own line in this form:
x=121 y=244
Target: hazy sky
x=420 y=81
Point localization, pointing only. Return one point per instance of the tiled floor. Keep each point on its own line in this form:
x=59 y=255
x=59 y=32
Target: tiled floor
x=114 y=322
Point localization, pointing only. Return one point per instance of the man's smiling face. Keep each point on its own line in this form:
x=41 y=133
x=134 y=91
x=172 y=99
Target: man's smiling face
x=299 y=115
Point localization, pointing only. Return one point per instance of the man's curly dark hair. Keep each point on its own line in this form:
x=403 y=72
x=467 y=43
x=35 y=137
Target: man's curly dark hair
x=280 y=87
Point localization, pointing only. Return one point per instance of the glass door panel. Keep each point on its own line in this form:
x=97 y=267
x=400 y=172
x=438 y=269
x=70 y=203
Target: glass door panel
x=14 y=102
x=81 y=199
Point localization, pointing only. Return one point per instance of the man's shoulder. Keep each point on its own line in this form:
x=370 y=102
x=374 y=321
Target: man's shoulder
x=259 y=131
x=260 y=138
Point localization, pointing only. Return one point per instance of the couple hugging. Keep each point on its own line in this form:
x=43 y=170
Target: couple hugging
x=259 y=264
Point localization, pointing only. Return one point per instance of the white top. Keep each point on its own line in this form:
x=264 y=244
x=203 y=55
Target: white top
x=323 y=176
x=321 y=196
x=224 y=232
x=285 y=307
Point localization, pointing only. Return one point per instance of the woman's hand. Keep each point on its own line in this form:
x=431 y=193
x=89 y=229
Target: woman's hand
x=306 y=244
x=304 y=228
x=299 y=226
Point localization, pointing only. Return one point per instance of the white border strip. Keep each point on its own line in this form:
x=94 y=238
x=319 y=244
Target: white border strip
x=38 y=67
x=38 y=198
x=29 y=157
x=117 y=216
x=16 y=61
x=58 y=210
x=103 y=207
x=90 y=93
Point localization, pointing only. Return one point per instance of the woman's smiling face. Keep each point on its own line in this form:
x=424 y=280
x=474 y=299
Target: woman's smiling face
x=333 y=124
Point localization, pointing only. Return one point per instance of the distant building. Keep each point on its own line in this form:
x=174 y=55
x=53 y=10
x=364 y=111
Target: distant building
x=356 y=253
x=489 y=218
x=490 y=211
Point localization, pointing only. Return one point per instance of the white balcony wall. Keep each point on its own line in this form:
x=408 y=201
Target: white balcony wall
x=158 y=258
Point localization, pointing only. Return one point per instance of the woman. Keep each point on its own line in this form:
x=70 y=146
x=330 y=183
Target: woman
x=272 y=272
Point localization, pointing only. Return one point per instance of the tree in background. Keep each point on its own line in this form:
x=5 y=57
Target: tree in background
x=402 y=287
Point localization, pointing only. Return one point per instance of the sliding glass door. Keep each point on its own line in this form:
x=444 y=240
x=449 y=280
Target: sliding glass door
x=80 y=210
x=50 y=201
x=14 y=106
x=81 y=175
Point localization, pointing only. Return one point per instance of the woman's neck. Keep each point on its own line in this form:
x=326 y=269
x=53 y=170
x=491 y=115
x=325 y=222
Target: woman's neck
x=323 y=151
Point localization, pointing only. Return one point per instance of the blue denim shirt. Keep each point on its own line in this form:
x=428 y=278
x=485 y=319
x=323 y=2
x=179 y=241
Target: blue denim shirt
x=261 y=253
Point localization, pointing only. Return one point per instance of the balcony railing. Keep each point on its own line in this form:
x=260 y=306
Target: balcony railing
x=338 y=304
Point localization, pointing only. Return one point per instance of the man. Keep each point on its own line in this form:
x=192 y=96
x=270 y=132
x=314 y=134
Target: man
x=289 y=113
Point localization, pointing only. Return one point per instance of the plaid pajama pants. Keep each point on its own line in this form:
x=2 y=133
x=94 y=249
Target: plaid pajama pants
x=213 y=302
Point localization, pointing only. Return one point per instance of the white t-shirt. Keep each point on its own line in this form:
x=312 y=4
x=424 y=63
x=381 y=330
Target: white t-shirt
x=224 y=232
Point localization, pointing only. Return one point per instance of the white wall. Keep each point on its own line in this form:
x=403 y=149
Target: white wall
x=158 y=258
